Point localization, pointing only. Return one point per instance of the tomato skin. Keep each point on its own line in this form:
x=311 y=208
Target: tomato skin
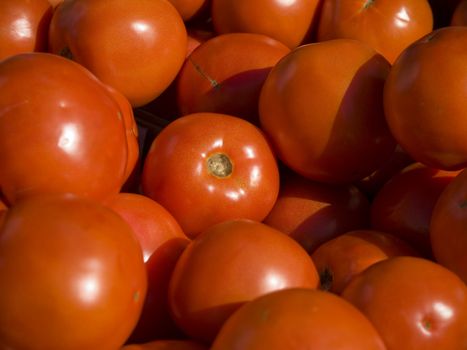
x=167 y=345
x=331 y=130
x=459 y=16
x=229 y=264
x=73 y=265
x=137 y=47
x=60 y=130
x=296 y=319
x=414 y=303
x=190 y=9
x=414 y=99
x=389 y=26
x=24 y=26
x=179 y=171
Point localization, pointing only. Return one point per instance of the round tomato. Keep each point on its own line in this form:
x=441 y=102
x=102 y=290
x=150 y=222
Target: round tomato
x=424 y=99
x=167 y=345
x=137 y=47
x=72 y=275
x=60 y=130
x=322 y=107
x=296 y=319
x=459 y=17
x=413 y=303
x=229 y=264
x=389 y=26
x=205 y=168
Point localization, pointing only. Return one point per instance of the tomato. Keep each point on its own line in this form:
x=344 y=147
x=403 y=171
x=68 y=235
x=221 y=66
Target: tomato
x=137 y=47
x=190 y=9
x=321 y=106
x=72 y=275
x=459 y=16
x=290 y=22
x=426 y=111
x=312 y=212
x=24 y=26
x=225 y=74
x=167 y=345
x=414 y=303
x=447 y=227
x=296 y=319
x=340 y=259
x=205 y=168
x=60 y=130
x=405 y=203
x=389 y=26
x=229 y=264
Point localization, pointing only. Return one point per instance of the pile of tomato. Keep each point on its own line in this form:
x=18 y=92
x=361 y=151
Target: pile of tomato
x=233 y=174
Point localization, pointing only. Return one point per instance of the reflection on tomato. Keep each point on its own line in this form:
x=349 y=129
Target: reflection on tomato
x=72 y=275
x=229 y=264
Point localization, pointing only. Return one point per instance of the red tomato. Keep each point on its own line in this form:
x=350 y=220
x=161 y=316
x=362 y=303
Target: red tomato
x=405 y=203
x=426 y=111
x=205 y=168
x=225 y=74
x=167 y=345
x=137 y=47
x=312 y=212
x=321 y=106
x=60 y=130
x=459 y=16
x=72 y=275
x=389 y=26
x=229 y=264
x=414 y=303
x=342 y=258
x=24 y=26
x=298 y=319
x=287 y=21
x=447 y=227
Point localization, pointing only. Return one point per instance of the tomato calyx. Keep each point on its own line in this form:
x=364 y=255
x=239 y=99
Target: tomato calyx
x=326 y=278
x=368 y=4
x=200 y=70
x=219 y=165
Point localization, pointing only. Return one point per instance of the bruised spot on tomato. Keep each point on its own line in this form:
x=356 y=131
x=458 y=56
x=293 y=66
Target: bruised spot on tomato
x=219 y=165
x=200 y=70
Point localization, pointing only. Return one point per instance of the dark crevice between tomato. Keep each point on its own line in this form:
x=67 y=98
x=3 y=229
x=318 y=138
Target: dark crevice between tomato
x=200 y=70
x=326 y=279
x=66 y=52
x=219 y=165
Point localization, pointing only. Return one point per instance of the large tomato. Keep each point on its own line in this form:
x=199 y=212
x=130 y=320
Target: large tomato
x=72 y=276
x=425 y=99
x=389 y=26
x=60 y=130
x=24 y=26
x=229 y=264
x=205 y=168
x=322 y=107
x=298 y=319
x=414 y=303
x=137 y=47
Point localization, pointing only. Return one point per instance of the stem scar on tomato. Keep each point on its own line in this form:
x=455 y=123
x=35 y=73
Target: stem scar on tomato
x=200 y=70
x=219 y=165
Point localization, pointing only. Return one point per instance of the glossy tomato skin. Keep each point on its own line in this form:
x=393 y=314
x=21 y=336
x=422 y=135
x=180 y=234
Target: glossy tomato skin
x=447 y=227
x=321 y=106
x=24 y=26
x=205 y=168
x=167 y=345
x=229 y=264
x=459 y=16
x=296 y=319
x=72 y=276
x=225 y=74
x=137 y=47
x=60 y=130
x=289 y=22
x=414 y=303
x=389 y=26
x=414 y=99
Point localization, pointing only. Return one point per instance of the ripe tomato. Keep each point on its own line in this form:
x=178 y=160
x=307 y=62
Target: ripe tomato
x=447 y=227
x=290 y=22
x=296 y=319
x=312 y=212
x=426 y=111
x=24 y=26
x=205 y=168
x=137 y=47
x=72 y=275
x=167 y=345
x=459 y=17
x=321 y=105
x=340 y=259
x=225 y=74
x=389 y=26
x=405 y=203
x=229 y=264
x=413 y=303
x=60 y=130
